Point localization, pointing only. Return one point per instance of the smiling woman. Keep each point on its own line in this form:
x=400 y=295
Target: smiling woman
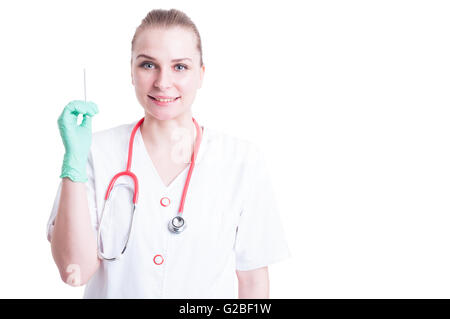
x=233 y=230
x=162 y=80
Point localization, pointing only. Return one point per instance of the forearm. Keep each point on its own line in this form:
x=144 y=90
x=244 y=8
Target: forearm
x=254 y=284
x=73 y=240
x=257 y=290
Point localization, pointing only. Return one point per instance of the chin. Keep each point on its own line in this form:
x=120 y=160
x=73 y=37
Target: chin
x=160 y=114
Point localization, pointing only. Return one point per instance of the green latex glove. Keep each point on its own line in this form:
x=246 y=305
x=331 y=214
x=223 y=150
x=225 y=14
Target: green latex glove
x=76 y=138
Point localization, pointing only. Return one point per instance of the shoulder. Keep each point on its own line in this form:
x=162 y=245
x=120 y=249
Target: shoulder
x=112 y=140
x=119 y=131
x=230 y=146
x=114 y=135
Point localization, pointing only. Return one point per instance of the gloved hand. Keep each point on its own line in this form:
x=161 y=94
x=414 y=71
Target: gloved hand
x=76 y=138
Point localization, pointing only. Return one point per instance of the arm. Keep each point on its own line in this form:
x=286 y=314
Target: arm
x=253 y=284
x=73 y=240
x=74 y=246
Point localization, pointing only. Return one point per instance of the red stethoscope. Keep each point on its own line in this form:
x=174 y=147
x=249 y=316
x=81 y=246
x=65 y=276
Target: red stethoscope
x=177 y=224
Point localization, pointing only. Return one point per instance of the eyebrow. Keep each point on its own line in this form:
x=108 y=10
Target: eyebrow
x=151 y=58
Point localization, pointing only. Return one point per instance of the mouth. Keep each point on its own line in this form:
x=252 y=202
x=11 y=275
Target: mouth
x=163 y=102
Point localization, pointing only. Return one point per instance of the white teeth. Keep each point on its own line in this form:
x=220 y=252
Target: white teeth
x=165 y=100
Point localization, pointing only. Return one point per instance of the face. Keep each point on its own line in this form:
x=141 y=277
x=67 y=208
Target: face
x=166 y=64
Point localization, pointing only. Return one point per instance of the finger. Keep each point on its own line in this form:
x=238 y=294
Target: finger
x=80 y=107
x=94 y=107
x=67 y=117
x=87 y=121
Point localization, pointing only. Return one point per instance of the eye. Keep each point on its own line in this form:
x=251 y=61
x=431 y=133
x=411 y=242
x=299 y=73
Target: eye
x=182 y=65
x=145 y=63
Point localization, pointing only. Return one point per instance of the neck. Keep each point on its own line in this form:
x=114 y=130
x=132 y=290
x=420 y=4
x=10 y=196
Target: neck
x=162 y=135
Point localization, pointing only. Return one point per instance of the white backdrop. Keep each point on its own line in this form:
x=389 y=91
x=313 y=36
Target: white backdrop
x=349 y=101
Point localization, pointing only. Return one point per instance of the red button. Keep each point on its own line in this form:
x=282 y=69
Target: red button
x=165 y=201
x=158 y=259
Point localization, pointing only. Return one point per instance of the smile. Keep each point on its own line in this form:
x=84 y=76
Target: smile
x=163 y=102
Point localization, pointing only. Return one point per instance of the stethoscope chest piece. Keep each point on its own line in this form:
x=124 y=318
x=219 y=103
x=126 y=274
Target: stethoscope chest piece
x=177 y=224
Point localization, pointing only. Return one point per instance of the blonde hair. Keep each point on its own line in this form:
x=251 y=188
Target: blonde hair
x=167 y=19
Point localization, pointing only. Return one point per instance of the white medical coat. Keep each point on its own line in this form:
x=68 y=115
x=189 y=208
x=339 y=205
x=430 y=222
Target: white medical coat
x=230 y=212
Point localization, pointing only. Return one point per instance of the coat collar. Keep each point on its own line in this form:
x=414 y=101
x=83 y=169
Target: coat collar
x=203 y=144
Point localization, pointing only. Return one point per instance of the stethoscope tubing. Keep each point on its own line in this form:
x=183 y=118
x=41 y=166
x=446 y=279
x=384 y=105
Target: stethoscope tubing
x=128 y=172
x=172 y=227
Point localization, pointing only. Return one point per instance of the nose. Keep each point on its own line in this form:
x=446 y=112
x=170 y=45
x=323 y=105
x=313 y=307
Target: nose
x=163 y=79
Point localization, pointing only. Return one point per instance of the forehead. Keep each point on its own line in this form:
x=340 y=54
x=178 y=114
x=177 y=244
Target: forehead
x=166 y=43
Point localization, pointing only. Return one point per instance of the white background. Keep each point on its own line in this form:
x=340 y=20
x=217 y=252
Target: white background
x=349 y=101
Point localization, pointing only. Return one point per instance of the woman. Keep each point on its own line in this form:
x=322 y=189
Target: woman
x=226 y=203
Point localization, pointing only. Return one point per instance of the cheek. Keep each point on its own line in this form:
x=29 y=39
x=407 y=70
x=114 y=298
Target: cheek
x=142 y=83
x=141 y=77
x=187 y=85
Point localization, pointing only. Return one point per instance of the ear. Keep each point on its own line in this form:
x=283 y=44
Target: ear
x=202 y=74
